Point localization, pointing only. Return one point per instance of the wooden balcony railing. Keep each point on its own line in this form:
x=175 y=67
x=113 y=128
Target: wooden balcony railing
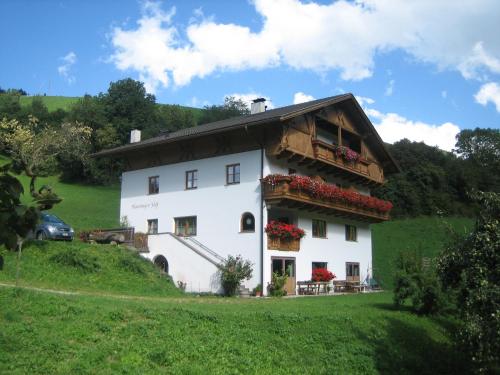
x=281 y=194
x=326 y=153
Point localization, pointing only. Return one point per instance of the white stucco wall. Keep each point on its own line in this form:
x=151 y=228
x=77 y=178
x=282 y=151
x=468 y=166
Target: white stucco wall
x=217 y=206
x=333 y=249
x=218 y=209
x=184 y=264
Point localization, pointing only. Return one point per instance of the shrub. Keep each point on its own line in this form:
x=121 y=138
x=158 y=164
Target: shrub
x=471 y=268
x=76 y=259
x=233 y=272
x=418 y=284
x=277 y=286
x=132 y=264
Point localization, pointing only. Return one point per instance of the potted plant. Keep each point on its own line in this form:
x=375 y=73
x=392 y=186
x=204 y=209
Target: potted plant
x=257 y=291
x=282 y=236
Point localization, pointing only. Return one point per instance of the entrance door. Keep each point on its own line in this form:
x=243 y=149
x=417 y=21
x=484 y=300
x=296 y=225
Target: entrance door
x=286 y=266
x=352 y=271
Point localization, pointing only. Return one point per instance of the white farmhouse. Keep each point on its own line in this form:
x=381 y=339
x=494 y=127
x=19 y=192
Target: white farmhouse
x=206 y=192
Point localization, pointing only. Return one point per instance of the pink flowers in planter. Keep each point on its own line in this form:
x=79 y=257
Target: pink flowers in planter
x=321 y=190
x=276 y=229
x=346 y=153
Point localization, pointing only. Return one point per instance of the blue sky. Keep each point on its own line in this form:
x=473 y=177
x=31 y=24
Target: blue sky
x=422 y=70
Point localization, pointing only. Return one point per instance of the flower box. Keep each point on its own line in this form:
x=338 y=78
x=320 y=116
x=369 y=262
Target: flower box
x=277 y=243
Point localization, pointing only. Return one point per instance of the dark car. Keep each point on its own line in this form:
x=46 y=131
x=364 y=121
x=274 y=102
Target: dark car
x=53 y=228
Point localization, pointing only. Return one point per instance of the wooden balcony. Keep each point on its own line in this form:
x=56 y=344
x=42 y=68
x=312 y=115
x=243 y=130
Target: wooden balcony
x=365 y=169
x=280 y=194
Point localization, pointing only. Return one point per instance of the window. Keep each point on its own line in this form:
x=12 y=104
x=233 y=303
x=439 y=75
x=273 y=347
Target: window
x=154 y=185
x=351 y=233
x=319 y=228
x=153 y=226
x=319 y=265
x=185 y=226
x=191 y=179
x=247 y=222
x=232 y=174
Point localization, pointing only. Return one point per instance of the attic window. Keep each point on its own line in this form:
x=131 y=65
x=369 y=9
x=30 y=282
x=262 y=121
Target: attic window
x=326 y=131
x=351 y=140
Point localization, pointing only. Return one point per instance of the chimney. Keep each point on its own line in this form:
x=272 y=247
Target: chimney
x=258 y=105
x=135 y=136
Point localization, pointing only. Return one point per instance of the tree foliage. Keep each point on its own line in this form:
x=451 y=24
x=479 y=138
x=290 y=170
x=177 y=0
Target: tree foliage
x=471 y=266
x=418 y=284
x=232 y=107
x=233 y=272
x=436 y=182
x=34 y=149
x=16 y=219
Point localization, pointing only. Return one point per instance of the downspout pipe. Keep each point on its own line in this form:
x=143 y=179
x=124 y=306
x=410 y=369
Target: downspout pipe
x=261 y=214
x=262 y=220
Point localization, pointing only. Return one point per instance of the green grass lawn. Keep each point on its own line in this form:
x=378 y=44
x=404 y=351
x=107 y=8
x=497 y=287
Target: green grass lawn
x=52 y=102
x=85 y=267
x=83 y=206
x=357 y=334
x=426 y=235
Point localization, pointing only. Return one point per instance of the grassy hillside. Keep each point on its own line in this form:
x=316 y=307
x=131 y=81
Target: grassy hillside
x=52 y=102
x=85 y=267
x=83 y=206
x=426 y=235
x=64 y=102
x=357 y=334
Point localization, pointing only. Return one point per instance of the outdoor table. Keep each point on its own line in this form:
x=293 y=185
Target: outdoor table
x=312 y=287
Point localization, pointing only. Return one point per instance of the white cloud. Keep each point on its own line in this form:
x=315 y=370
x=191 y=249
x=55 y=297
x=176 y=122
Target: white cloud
x=363 y=100
x=300 y=97
x=390 y=88
x=444 y=94
x=65 y=69
x=344 y=36
x=247 y=98
x=489 y=92
x=393 y=127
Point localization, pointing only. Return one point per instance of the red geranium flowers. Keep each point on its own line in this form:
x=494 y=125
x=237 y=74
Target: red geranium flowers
x=276 y=229
x=322 y=274
x=321 y=190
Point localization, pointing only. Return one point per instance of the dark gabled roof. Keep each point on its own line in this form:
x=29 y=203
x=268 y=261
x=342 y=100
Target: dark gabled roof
x=270 y=116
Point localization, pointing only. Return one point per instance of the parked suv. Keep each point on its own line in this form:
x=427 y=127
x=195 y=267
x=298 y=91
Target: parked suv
x=53 y=228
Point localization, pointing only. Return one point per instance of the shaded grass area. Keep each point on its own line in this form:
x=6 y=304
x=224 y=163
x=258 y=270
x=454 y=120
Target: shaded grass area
x=52 y=103
x=85 y=267
x=426 y=235
x=83 y=206
x=357 y=334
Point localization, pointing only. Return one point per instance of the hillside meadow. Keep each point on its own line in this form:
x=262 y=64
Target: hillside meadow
x=46 y=333
x=118 y=314
x=83 y=206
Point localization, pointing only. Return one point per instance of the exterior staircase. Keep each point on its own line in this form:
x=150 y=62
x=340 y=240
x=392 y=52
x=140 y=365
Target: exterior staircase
x=200 y=249
x=244 y=292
